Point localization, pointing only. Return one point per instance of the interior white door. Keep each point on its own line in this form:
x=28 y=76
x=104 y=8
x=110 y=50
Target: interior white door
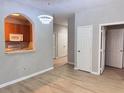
x=114 y=48
x=62 y=43
x=84 y=48
x=103 y=46
x=54 y=45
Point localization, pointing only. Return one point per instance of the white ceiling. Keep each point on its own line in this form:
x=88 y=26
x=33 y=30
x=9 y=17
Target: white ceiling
x=62 y=8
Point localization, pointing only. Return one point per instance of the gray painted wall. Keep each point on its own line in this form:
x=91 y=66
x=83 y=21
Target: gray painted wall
x=108 y=13
x=14 y=66
x=71 y=38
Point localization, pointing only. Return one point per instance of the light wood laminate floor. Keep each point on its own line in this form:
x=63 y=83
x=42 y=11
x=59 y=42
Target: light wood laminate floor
x=60 y=61
x=66 y=80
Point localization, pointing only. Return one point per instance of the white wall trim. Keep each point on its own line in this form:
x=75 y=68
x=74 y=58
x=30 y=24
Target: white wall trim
x=95 y=73
x=99 y=66
x=76 y=68
x=113 y=23
x=100 y=26
x=61 y=57
x=24 y=78
x=71 y=63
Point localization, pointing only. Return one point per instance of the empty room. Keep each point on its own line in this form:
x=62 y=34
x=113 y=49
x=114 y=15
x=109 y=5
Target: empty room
x=61 y=46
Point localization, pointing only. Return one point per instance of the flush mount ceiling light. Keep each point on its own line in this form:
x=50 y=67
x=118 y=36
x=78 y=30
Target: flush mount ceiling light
x=45 y=19
x=15 y=14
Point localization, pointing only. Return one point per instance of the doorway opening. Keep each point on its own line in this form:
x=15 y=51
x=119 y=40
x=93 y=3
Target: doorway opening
x=60 y=45
x=111 y=47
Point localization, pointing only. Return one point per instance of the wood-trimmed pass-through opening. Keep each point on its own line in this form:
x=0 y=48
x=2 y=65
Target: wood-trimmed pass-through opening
x=18 y=33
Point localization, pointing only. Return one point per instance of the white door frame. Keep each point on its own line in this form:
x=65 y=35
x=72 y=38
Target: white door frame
x=75 y=64
x=100 y=26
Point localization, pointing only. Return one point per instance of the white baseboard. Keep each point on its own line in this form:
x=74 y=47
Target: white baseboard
x=71 y=63
x=76 y=68
x=60 y=57
x=95 y=73
x=24 y=78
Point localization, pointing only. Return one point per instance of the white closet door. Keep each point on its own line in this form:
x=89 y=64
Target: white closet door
x=114 y=48
x=102 y=52
x=84 y=48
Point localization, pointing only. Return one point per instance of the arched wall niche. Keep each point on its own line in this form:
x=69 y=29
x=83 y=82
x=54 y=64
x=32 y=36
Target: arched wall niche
x=18 y=33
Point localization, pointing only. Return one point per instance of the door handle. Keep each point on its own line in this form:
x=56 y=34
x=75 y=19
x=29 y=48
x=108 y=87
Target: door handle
x=121 y=50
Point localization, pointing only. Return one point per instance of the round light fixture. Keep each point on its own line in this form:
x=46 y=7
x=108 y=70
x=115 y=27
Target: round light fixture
x=45 y=19
x=15 y=14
